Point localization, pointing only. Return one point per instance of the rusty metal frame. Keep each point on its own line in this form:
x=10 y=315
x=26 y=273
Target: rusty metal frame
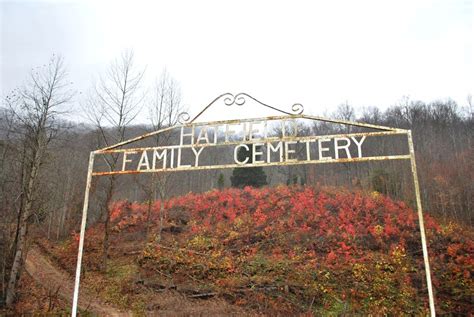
x=268 y=139
x=239 y=100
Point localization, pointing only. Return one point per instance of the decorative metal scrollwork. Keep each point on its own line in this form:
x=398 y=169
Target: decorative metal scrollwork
x=230 y=99
x=183 y=117
x=239 y=100
x=297 y=108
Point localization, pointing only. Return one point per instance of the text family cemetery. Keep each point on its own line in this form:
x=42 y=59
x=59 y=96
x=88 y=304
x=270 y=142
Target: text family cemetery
x=260 y=142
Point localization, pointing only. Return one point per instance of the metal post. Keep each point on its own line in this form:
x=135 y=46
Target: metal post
x=81 y=238
x=422 y=226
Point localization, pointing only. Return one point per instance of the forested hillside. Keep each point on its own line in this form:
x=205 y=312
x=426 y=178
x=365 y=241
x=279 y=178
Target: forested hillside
x=283 y=250
x=44 y=153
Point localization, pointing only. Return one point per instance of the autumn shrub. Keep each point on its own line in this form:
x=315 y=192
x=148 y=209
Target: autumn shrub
x=299 y=249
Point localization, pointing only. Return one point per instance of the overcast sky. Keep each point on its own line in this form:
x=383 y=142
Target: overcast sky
x=318 y=53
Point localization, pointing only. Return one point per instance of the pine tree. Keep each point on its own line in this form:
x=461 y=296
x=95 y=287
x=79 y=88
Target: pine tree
x=220 y=181
x=247 y=176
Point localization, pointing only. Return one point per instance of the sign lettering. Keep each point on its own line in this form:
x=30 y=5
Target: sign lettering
x=251 y=138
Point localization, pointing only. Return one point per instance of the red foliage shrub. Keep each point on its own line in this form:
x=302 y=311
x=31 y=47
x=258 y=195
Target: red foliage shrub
x=328 y=250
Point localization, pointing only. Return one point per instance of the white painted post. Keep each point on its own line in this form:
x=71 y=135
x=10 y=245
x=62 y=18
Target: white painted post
x=81 y=238
x=422 y=226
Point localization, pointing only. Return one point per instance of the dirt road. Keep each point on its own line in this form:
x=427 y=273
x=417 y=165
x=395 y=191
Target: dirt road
x=49 y=276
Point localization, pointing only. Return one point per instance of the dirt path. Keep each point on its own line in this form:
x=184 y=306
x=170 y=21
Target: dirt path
x=50 y=277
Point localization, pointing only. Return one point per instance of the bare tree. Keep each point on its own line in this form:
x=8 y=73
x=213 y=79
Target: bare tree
x=345 y=112
x=35 y=109
x=115 y=103
x=165 y=108
x=8 y=192
x=166 y=102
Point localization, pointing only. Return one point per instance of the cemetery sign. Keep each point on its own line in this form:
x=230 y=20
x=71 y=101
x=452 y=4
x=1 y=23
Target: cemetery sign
x=268 y=141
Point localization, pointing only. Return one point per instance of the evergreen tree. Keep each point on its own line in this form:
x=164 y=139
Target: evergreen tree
x=247 y=176
x=220 y=181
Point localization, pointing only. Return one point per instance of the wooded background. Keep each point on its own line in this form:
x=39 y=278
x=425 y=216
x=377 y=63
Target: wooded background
x=44 y=155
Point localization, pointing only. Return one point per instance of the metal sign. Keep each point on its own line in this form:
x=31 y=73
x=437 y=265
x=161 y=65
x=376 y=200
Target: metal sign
x=267 y=141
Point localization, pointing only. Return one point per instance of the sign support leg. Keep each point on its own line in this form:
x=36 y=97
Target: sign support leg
x=81 y=238
x=422 y=226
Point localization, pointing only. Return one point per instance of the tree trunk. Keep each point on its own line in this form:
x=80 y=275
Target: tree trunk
x=16 y=266
x=49 y=225
x=151 y=200
x=162 y=209
x=108 y=200
x=62 y=218
x=21 y=243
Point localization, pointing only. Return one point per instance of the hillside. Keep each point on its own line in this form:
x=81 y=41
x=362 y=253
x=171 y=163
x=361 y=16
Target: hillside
x=279 y=250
